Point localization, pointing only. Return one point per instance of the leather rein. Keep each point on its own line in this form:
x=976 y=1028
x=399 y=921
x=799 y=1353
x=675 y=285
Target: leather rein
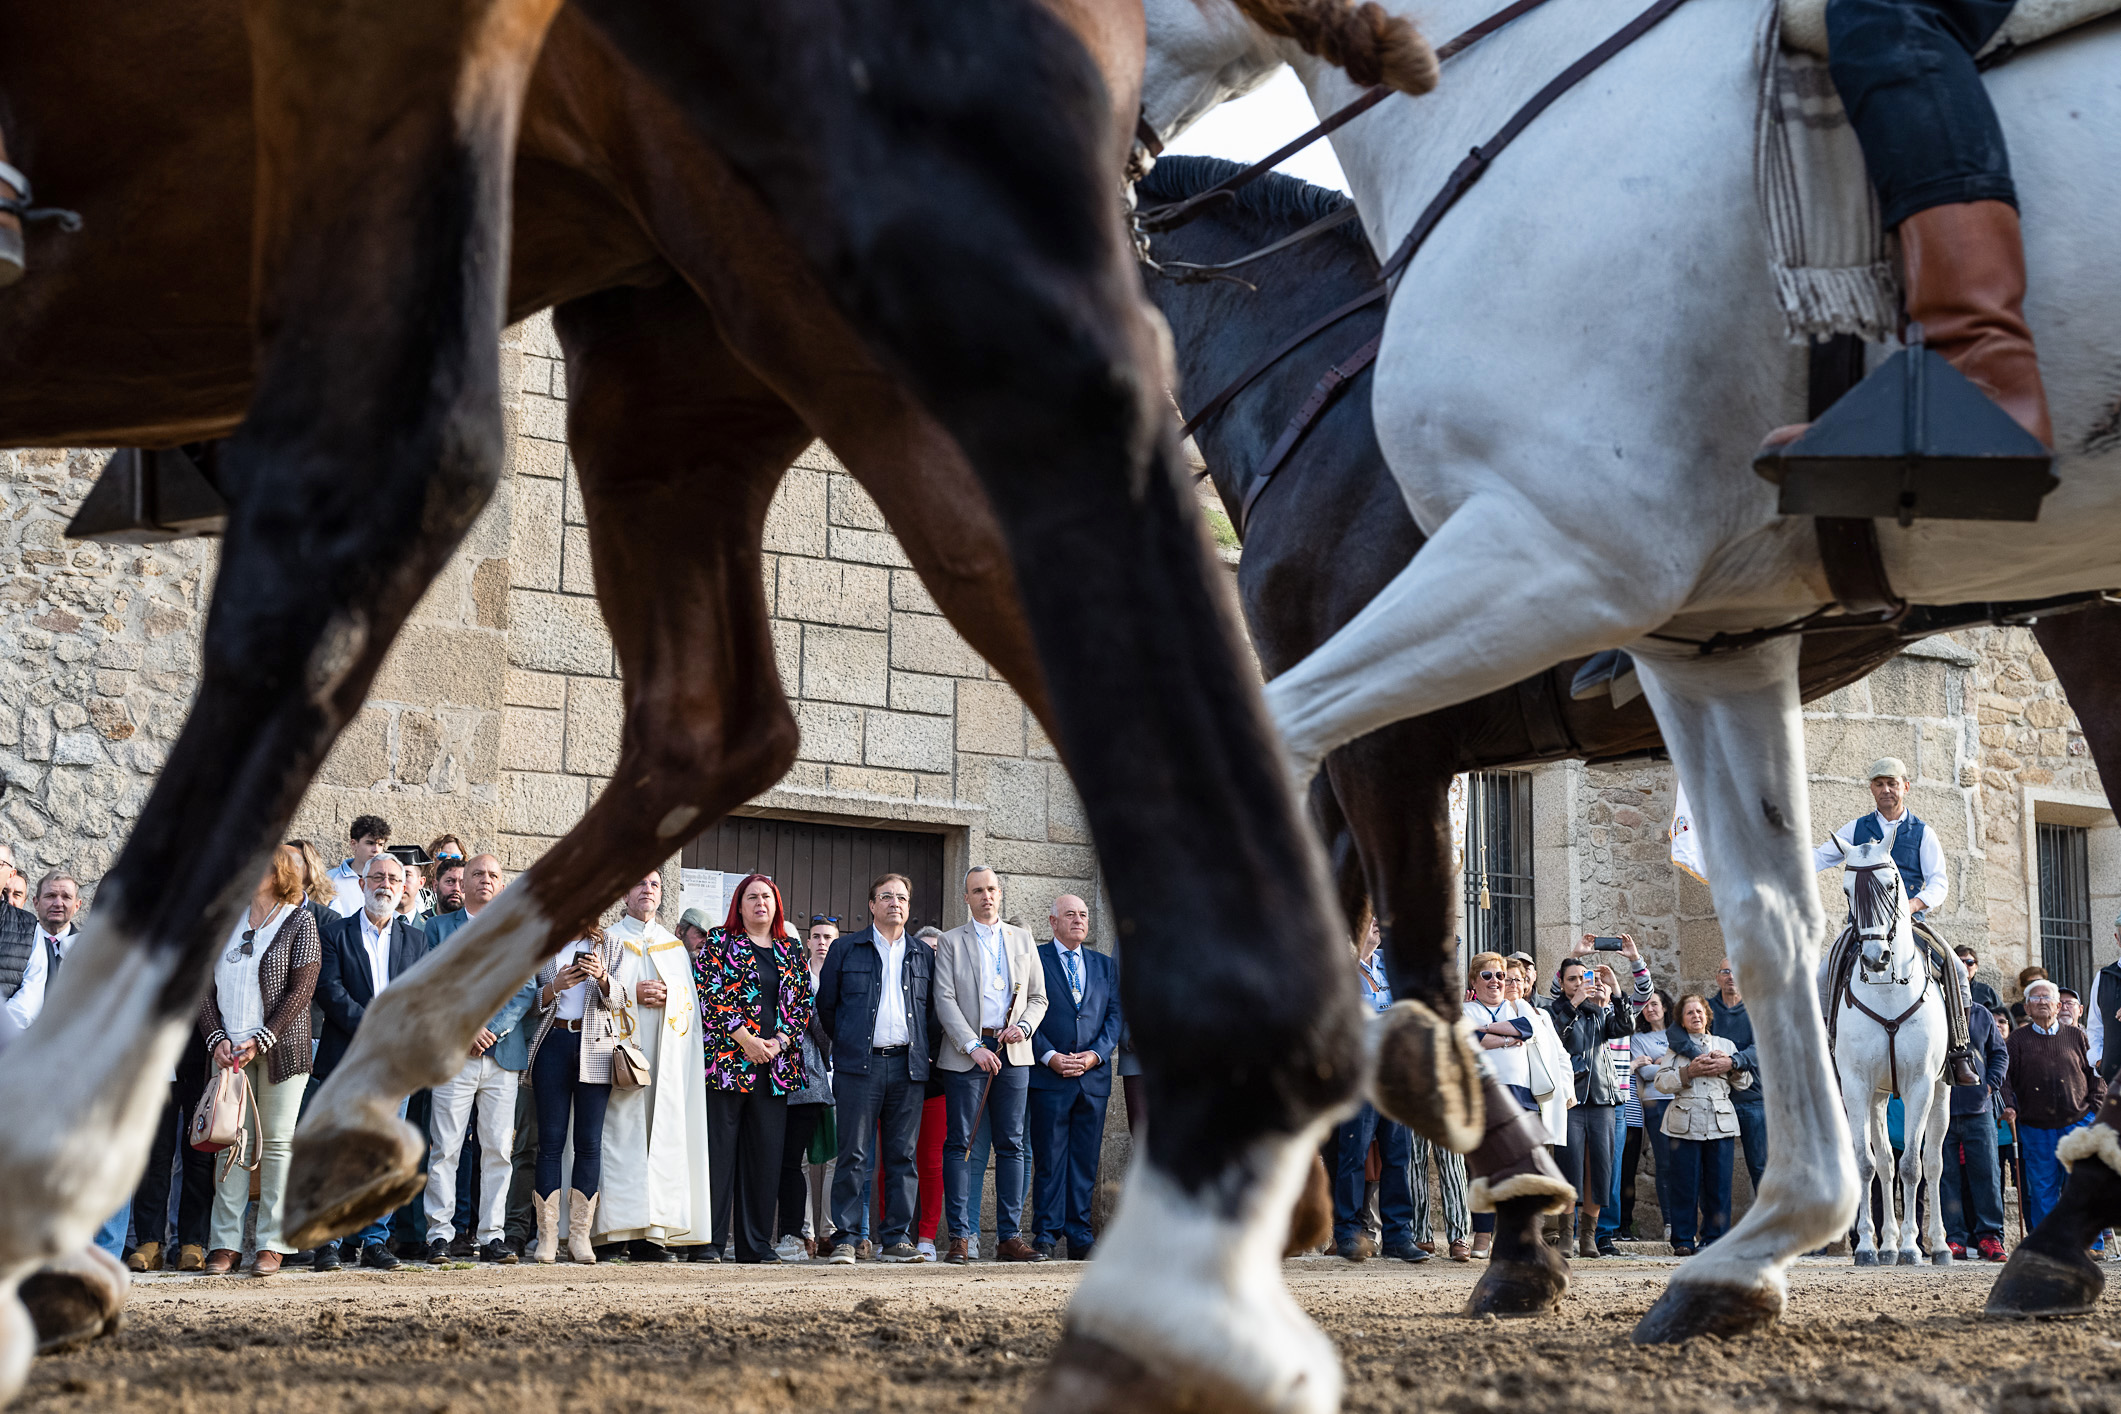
x=1455 y=186
x=1892 y=1028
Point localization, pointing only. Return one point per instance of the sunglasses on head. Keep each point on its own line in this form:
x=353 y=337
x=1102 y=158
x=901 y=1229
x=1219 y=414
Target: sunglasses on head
x=821 y=918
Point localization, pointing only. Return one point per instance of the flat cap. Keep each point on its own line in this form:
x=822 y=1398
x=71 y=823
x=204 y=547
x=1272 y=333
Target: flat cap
x=1889 y=766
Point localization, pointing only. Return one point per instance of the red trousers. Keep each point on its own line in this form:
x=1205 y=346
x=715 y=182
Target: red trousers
x=928 y=1162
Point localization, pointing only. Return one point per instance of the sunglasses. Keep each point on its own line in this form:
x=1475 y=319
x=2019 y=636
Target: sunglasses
x=249 y=944
x=1491 y=976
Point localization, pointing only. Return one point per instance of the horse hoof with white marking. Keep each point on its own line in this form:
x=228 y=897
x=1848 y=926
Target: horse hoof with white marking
x=1185 y=1308
x=1427 y=1076
x=1697 y=1308
x=1942 y=1257
x=76 y=1299
x=346 y=1174
x=1866 y=1258
x=2051 y=1273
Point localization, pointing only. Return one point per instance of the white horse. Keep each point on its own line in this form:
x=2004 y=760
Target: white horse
x=1889 y=1039
x=1575 y=374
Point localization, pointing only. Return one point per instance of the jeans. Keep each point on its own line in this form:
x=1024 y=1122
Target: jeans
x=887 y=1094
x=1972 y=1182
x=1003 y=1115
x=111 y=1236
x=976 y=1165
x=1700 y=1183
x=1752 y=1135
x=484 y=1088
x=1395 y=1194
x=1609 y=1210
x=2044 y=1174
x=272 y=1131
x=1905 y=72
x=558 y=1092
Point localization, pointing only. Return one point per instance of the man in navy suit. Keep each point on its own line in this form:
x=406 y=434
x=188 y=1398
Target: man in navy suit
x=1072 y=1082
x=364 y=952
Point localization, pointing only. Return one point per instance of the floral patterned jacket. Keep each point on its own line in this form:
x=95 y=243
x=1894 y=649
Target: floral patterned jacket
x=729 y=985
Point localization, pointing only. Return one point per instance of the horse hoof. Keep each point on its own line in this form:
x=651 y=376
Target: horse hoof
x=1690 y=1309
x=76 y=1299
x=1942 y=1257
x=1866 y=1258
x=1428 y=1078
x=1511 y=1288
x=341 y=1178
x=2036 y=1284
x=1087 y=1376
x=1910 y=1257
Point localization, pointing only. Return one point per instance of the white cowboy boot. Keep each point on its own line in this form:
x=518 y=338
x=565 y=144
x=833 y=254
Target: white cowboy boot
x=580 y=1212
x=548 y=1249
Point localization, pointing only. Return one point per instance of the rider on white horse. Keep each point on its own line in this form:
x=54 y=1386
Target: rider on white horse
x=1920 y=859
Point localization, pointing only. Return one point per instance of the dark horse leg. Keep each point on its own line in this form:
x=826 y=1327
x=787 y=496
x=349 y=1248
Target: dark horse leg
x=678 y=448
x=874 y=130
x=1396 y=801
x=386 y=145
x=2051 y=1273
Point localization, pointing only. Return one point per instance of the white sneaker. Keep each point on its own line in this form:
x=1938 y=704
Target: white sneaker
x=791 y=1250
x=972 y=1249
x=927 y=1251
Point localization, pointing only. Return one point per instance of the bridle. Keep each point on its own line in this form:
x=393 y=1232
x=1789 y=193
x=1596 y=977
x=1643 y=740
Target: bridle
x=1886 y=898
x=1461 y=180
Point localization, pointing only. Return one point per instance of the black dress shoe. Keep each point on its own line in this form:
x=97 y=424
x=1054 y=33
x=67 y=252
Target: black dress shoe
x=499 y=1253
x=438 y=1252
x=378 y=1256
x=705 y=1252
x=1044 y=1250
x=327 y=1258
x=642 y=1250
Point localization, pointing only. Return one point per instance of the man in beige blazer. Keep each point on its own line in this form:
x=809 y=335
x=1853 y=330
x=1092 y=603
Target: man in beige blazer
x=990 y=995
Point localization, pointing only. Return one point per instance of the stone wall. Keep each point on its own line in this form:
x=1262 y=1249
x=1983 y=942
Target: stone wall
x=497 y=713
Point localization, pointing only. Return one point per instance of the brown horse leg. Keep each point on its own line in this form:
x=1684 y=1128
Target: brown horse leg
x=1397 y=806
x=679 y=449
x=2049 y=1274
x=386 y=147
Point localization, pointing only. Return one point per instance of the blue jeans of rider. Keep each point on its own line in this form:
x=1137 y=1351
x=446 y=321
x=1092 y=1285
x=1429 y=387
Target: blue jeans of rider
x=1700 y=1190
x=1395 y=1193
x=1970 y=1197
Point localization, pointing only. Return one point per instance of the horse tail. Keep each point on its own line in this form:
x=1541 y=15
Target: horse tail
x=1371 y=44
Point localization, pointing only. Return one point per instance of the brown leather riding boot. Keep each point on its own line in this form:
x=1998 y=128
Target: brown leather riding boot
x=1966 y=287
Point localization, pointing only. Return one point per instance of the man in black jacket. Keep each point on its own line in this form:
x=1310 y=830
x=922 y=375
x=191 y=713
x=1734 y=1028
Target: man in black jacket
x=1586 y=1016
x=873 y=1002
x=364 y=952
x=1971 y=1191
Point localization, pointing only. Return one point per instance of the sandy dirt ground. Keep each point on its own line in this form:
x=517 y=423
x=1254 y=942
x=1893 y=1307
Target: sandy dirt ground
x=633 y=1338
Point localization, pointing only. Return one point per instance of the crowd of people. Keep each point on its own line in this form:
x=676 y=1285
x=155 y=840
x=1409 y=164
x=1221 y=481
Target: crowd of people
x=741 y=1090
x=735 y=1090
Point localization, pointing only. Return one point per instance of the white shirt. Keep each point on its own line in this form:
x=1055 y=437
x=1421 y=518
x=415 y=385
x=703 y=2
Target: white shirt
x=376 y=939
x=28 y=1001
x=236 y=987
x=575 y=1000
x=1082 y=970
x=891 y=1000
x=994 y=975
x=1934 y=884
x=347 y=881
x=1508 y=1064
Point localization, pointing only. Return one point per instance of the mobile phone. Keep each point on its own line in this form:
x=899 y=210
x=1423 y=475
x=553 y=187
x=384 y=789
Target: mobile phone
x=1607 y=944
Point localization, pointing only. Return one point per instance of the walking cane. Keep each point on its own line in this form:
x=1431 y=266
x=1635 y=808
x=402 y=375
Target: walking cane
x=2018 y=1164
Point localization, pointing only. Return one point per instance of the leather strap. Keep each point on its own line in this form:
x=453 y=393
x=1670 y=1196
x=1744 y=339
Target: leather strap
x=1511 y=1145
x=1855 y=566
x=1335 y=378
x=1892 y=1028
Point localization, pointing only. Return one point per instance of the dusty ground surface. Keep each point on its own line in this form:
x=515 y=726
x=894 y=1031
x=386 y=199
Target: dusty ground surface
x=633 y=1338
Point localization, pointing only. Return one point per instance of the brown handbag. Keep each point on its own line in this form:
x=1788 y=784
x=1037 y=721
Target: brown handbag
x=629 y=1063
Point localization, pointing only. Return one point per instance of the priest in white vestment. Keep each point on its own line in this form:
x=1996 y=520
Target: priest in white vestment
x=655 y=1137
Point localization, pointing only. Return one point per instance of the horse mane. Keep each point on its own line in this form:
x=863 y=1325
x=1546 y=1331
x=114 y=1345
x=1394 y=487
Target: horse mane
x=1868 y=892
x=1368 y=42
x=1275 y=199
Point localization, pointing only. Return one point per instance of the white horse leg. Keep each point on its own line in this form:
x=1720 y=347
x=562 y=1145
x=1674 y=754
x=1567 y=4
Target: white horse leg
x=76 y=1299
x=1452 y=625
x=1856 y=1103
x=79 y=1094
x=1933 y=1171
x=1915 y=1100
x=1197 y=1315
x=1732 y=724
